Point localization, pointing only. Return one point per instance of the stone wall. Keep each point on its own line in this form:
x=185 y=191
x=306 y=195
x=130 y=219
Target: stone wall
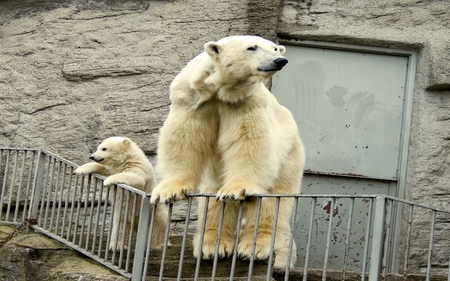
x=421 y=26
x=75 y=72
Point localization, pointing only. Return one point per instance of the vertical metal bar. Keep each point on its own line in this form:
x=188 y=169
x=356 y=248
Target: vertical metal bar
x=255 y=234
x=77 y=216
x=328 y=246
x=72 y=208
x=126 y=217
x=67 y=202
x=119 y=215
x=388 y=234
x=86 y=204
x=19 y=190
x=138 y=261
x=55 y=193
x=91 y=213
x=219 y=235
x=133 y=216
x=185 y=233
x=149 y=241
x=379 y=217
x=111 y=219
x=166 y=241
x=97 y=219
x=366 y=242
x=236 y=242
x=49 y=192
x=291 y=239
x=347 y=237
x=408 y=243
x=430 y=247
x=2 y=197
x=44 y=190
x=202 y=235
x=61 y=192
x=28 y=193
x=37 y=185
x=308 y=244
x=11 y=189
x=105 y=211
x=272 y=243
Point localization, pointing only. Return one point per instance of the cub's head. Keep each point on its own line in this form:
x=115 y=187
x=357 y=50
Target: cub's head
x=242 y=57
x=112 y=151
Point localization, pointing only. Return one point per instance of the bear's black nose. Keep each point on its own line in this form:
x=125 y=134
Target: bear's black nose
x=92 y=157
x=280 y=62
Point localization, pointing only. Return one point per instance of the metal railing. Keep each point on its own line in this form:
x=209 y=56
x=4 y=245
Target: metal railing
x=337 y=236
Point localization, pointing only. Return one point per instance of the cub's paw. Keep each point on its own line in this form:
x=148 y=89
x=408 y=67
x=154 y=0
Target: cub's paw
x=113 y=180
x=85 y=169
x=170 y=190
x=262 y=248
x=235 y=191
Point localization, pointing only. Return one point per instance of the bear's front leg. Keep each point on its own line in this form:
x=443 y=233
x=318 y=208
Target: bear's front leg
x=186 y=142
x=90 y=168
x=130 y=179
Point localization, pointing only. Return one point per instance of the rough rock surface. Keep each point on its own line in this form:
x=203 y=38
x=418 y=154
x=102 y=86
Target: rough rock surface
x=73 y=73
x=33 y=256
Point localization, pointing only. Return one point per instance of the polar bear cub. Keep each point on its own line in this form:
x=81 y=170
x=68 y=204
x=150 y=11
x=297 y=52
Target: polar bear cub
x=226 y=134
x=123 y=162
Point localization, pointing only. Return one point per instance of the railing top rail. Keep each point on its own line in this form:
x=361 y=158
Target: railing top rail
x=348 y=196
x=255 y=195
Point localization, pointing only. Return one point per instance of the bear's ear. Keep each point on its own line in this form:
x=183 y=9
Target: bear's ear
x=126 y=142
x=282 y=49
x=213 y=49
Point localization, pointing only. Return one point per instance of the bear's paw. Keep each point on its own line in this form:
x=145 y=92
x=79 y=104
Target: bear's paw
x=86 y=169
x=209 y=246
x=236 y=191
x=169 y=191
x=262 y=247
x=113 y=180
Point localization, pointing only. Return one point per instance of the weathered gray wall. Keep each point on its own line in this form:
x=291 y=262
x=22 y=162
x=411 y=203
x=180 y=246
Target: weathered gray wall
x=74 y=72
x=422 y=26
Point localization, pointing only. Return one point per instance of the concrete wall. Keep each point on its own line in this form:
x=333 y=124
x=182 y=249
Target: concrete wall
x=74 y=72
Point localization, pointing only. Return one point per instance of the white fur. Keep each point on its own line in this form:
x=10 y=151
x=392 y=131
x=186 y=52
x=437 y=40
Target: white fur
x=226 y=134
x=123 y=162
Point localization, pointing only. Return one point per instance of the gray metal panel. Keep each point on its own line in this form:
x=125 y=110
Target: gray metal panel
x=348 y=106
x=338 y=257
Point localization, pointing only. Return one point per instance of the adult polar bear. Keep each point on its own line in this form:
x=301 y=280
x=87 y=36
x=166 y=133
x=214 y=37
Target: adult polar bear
x=226 y=134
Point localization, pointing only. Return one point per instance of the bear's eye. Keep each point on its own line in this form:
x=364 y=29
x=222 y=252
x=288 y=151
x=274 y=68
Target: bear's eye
x=104 y=149
x=252 y=48
x=276 y=49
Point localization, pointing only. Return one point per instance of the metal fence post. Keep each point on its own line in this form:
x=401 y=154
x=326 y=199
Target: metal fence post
x=141 y=239
x=37 y=185
x=376 y=252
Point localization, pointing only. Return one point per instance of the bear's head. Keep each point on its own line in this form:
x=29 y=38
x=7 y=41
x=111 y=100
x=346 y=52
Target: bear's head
x=112 y=151
x=239 y=58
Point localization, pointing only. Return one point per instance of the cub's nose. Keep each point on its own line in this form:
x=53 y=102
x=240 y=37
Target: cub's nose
x=92 y=157
x=280 y=62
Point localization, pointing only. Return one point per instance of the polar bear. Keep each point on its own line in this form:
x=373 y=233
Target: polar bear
x=123 y=162
x=226 y=134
